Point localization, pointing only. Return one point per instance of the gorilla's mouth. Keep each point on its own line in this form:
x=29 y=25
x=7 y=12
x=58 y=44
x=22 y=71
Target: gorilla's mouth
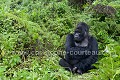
x=79 y=37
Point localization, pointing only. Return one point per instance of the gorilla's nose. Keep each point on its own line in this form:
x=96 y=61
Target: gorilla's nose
x=76 y=35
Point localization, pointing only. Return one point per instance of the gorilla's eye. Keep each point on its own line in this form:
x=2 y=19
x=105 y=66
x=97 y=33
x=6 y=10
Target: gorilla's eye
x=78 y=31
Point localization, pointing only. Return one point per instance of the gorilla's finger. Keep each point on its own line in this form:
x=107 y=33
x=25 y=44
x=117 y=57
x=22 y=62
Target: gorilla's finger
x=79 y=71
x=74 y=69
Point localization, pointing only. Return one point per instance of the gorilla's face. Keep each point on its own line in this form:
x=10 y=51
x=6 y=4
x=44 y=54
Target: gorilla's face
x=80 y=33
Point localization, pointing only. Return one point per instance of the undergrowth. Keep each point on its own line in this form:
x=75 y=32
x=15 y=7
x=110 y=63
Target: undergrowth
x=32 y=30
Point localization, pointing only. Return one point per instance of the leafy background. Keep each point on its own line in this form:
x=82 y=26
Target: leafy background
x=42 y=25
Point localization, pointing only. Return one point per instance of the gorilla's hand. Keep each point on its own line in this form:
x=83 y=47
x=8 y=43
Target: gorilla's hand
x=76 y=70
x=79 y=71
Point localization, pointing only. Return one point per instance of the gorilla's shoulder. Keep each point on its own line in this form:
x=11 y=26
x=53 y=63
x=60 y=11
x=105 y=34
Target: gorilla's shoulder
x=92 y=39
x=70 y=34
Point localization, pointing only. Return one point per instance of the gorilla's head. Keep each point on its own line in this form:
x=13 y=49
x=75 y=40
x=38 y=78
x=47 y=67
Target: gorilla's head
x=81 y=32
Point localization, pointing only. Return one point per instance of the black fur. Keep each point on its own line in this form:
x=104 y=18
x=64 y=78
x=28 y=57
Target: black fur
x=80 y=58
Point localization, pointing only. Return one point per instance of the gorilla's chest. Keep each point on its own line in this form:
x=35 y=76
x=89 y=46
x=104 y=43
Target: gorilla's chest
x=82 y=53
x=84 y=43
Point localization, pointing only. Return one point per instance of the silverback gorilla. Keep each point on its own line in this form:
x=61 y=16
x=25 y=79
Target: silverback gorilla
x=81 y=50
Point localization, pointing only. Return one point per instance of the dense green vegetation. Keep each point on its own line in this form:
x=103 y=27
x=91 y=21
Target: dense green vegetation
x=42 y=25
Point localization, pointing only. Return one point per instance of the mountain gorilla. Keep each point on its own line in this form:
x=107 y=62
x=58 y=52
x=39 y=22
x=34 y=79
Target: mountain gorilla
x=81 y=50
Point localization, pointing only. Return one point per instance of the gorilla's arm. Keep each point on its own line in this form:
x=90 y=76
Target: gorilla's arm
x=70 y=46
x=69 y=41
x=86 y=63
